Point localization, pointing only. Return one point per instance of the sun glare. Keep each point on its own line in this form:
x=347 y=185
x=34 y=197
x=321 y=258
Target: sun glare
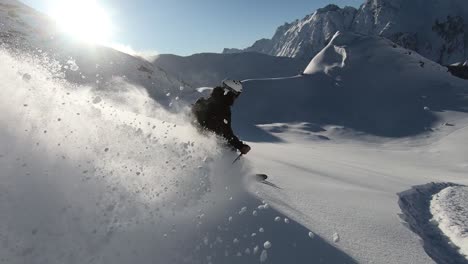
x=84 y=20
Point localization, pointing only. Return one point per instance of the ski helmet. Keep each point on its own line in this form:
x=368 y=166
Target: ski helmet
x=233 y=86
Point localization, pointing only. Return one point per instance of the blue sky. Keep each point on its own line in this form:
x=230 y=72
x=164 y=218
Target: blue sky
x=185 y=27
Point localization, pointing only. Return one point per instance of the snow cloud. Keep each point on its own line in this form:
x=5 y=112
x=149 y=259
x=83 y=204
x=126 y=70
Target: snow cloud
x=148 y=55
x=100 y=177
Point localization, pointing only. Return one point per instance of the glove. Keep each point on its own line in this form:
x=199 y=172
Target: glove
x=245 y=149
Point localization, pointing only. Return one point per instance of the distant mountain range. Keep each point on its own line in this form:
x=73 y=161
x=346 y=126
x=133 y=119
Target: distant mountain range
x=436 y=29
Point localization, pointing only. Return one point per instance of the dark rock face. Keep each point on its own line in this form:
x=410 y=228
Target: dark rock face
x=459 y=71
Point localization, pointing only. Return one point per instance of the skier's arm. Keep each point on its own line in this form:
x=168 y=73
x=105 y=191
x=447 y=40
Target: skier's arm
x=228 y=134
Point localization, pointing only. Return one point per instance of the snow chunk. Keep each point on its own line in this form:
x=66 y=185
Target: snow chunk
x=336 y=237
x=255 y=250
x=267 y=245
x=263 y=256
x=311 y=234
x=243 y=210
x=72 y=65
x=277 y=219
x=450 y=211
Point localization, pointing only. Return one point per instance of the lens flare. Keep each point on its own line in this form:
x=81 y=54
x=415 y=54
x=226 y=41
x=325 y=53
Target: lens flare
x=85 y=20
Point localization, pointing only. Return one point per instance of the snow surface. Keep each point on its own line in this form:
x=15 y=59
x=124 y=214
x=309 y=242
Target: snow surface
x=361 y=82
x=450 y=210
x=104 y=177
x=109 y=173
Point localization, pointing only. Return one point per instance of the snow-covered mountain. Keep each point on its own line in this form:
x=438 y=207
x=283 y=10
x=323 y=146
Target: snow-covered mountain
x=305 y=38
x=360 y=83
x=95 y=169
x=436 y=29
x=24 y=30
x=367 y=83
x=209 y=69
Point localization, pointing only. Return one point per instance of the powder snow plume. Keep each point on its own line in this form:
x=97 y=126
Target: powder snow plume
x=100 y=176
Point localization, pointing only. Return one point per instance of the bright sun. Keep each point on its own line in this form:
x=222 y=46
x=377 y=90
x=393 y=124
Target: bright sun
x=83 y=19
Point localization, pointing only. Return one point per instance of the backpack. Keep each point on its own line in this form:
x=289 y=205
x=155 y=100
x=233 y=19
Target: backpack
x=199 y=110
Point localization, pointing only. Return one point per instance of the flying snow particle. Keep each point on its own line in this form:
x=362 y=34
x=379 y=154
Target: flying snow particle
x=277 y=219
x=336 y=237
x=267 y=245
x=225 y=121
x=247 y=251
x=286 y=220
x=72 y=65
x=263 y=256
x=26 y=77
x=97 y=100
x=261 y=230
x=243 y=210
x=311 y=234
x=255 y=250
x=254 y=234
x=235 y=241
x=254 y=213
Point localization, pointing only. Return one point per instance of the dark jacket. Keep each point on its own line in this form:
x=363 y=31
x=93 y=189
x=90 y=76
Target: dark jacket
x=214 y=114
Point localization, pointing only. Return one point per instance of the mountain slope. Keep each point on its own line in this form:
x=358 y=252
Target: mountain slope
x=26 y=31
x=366 y=83
x=342 y=184
x=209 y=69
x=306 y=37
x=436 y=29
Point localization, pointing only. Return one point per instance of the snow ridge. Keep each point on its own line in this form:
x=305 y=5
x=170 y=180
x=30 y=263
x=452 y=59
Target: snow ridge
x=415 y=204
x=449 y=208
x=439 y=32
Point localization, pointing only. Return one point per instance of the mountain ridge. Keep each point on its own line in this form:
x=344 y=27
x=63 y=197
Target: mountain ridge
x=436 y=29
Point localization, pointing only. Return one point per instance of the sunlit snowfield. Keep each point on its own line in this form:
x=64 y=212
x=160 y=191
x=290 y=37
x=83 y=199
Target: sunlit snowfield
x=99 y=162
x=91 y=176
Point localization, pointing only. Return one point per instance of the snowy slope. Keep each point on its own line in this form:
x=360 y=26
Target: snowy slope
x=435 y=29
x=22 y=29
x=365 y=83
x=342 y=184
x=306 y=37
x=209 y=69
x=111 y=176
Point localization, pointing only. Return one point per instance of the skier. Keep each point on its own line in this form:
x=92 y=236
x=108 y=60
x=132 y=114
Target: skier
x=214 y=113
